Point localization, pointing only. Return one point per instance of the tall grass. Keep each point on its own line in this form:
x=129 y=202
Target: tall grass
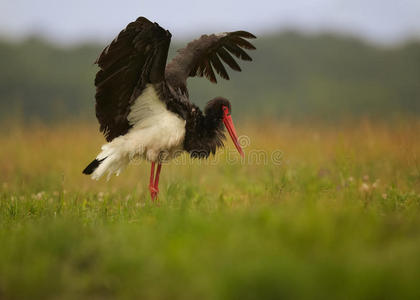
x=312 y=212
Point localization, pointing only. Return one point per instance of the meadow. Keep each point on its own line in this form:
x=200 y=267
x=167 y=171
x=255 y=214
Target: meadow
x=313 y=211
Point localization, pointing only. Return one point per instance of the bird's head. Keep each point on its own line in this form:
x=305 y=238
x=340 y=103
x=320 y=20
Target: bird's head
x=219 y=110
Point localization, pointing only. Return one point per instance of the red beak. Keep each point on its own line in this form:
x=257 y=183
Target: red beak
x=227 y=120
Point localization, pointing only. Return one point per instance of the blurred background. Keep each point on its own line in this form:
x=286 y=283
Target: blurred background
x=322 y=59
x=333 y=92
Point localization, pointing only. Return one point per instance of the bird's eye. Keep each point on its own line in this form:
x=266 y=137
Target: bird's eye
x=225 y=110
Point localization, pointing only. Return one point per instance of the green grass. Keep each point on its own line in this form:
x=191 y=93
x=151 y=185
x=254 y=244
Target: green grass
x=337 y=218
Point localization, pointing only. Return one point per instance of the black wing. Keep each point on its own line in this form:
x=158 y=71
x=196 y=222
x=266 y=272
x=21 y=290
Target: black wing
x=200 y=56
x=136 y=57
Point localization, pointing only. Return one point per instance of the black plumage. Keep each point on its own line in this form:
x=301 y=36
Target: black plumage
x=200 y=56
x=205 y=132
x=137 y=57
x=92 y=166
x=136 y=89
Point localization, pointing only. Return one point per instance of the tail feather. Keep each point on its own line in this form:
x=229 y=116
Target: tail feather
x=92 y=166
x=113 y=158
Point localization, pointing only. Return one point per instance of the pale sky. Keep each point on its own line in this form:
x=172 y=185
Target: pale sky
x=69 y=21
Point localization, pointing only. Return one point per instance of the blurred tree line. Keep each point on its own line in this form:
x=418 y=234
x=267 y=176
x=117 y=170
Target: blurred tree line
x=292 y=76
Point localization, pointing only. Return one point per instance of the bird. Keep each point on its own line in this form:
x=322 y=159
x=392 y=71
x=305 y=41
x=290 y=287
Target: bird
x=142 y=102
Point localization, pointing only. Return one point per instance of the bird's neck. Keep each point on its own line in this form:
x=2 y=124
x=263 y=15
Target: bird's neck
x=203 y=135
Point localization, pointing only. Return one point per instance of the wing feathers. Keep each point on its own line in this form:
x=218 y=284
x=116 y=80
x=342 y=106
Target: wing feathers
x=200 y=56
x=218 y=65
x=244 y=34
x=135 y=58
x=228 y=59
x=237 y=51
x=243 y=43
x=208 y=71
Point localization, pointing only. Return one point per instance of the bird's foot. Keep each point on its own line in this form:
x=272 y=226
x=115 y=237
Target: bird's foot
x=153 y=192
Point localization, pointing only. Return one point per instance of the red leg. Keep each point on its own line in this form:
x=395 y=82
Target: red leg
x=156 y=186
x=152 y=190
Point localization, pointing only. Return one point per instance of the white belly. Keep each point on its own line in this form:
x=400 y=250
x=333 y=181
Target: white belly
x=161 y=141
x=157 y=135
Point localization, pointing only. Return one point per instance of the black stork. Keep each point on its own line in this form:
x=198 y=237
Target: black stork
x=142 y=104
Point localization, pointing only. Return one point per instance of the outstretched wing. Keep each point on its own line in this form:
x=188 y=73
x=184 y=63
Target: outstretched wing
x=135 y=58
x=200 y=56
